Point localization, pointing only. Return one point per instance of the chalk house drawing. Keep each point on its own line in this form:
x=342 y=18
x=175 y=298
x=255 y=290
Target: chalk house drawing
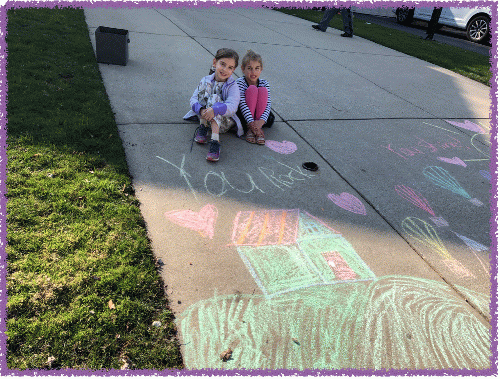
x=286 y=250
x=323 y=308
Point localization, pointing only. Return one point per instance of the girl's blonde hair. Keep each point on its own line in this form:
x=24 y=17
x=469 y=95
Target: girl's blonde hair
x=251 y=56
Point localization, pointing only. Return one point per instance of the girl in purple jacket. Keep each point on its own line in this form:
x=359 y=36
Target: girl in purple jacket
x=216 y=101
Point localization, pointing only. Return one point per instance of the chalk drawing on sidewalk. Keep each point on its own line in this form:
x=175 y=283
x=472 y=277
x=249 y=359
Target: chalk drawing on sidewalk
x=442 y=178
x=285 y=147
x=392 y=322
x=348 y=202
x=414 y=197
x=468 y=125
x=454 y=160
x=202 y=221
x=439 y=221
x=485 y=175
x=472 y=244
x=286 y=250
x=476 y=202
x=479 y=146
x=424 y=233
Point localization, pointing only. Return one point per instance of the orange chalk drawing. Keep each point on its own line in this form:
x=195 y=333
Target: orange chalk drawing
x=265 y=228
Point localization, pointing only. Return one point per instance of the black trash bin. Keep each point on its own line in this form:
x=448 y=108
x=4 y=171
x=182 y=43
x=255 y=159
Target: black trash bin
x=111 y=45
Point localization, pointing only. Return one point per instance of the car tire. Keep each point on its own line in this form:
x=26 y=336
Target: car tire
x=478 y=28
x=404 y=15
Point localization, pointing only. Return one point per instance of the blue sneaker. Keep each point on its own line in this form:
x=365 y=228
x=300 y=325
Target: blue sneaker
x=213 y=151
x=201 y=134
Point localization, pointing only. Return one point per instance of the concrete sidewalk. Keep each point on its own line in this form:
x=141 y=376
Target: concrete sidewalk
x=380 y=259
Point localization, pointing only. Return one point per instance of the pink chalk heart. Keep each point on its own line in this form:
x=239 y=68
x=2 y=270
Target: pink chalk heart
x=285 y=147
x=348 y=202
x=202 y=221
x=454 y=160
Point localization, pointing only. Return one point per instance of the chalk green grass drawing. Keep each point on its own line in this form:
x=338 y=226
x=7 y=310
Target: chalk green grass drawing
x=323 y=308
x=391 y=322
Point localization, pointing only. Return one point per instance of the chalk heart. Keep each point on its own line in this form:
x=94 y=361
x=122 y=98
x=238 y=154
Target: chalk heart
x=348 y=202
x=202 y=221
x=285 y=147
x=454 y=160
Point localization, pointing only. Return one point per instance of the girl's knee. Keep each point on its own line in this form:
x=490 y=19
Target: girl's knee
x=251 y=90
x=262 y=91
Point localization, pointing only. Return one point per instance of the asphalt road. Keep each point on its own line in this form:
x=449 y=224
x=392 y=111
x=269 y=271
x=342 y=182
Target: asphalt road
x=446 y=35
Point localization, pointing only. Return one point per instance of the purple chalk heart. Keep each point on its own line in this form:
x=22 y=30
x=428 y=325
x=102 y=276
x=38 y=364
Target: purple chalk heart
x=285 y=147
x=467 y=125
x=454 y=160
x=348 y=202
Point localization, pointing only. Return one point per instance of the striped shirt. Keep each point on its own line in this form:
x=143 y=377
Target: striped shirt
x=242 y=85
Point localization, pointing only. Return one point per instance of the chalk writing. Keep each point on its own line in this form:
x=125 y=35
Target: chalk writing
x=284 y=251
x=182 y=173
x=454 y=160
x=393 y=322
x=414 y=197
x=468 y=125
x=423 y=147
x=202 y=221
x=425 y=234
x=348 y=202
x=485 y=175
x=441 y=178
x=285 y=147
x=218 y=183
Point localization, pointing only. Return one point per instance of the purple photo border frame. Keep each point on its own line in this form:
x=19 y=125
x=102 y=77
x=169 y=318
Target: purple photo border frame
x=4 y=371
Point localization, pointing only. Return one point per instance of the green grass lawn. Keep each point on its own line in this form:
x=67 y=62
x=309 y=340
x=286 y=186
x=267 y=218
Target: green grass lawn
x=467 y=63
x=83 y=287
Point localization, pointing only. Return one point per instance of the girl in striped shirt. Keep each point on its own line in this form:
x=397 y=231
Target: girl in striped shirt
x=255 y=100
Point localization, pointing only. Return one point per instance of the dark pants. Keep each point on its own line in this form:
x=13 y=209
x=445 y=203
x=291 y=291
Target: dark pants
x=433 y=23
x=346 y=19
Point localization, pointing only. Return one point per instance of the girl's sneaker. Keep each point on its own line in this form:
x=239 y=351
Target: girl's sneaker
x=213 y=151
x=201 y=134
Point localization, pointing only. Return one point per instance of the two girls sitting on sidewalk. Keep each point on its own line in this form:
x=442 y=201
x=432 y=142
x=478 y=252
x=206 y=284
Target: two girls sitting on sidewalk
x=220 y=101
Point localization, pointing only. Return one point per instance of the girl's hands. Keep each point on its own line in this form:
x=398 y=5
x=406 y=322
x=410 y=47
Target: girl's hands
x=207 y=114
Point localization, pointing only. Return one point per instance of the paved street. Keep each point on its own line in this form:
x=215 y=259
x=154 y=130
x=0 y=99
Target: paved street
x=449 y=36
x=380 y=259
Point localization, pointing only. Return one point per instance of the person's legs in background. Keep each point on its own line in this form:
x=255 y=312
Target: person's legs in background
x=347 y=21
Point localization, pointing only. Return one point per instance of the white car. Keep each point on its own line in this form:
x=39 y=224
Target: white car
x=475 y=21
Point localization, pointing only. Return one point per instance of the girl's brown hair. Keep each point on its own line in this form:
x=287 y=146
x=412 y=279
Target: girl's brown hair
x=251 y=56
x=227 y=53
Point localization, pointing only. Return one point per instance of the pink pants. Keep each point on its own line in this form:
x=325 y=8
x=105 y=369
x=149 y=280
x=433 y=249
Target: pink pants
x=256 y=98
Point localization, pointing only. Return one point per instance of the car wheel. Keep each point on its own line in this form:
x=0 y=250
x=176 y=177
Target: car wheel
x=404 y=15
x=478 y=28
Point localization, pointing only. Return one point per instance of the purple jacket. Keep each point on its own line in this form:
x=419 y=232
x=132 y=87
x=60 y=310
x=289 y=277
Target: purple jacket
x=229 y=106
